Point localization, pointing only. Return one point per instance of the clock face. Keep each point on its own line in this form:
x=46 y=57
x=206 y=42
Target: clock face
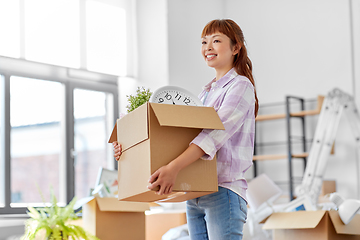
x=174 y=95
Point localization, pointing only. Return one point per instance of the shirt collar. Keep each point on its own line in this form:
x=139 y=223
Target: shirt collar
x=222 y=81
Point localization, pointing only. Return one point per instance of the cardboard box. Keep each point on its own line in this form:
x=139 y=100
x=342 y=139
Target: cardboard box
x=153 y=135
x=111 y=219
x=158 y=224
x=312 y=225
x=328 y=186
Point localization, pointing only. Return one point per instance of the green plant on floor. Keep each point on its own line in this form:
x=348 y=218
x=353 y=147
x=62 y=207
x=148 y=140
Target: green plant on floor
x=142 y=96
x=53 y=223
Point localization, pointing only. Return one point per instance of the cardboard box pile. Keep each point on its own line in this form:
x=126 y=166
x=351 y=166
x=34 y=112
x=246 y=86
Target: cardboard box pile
x=312 y=225
x=154 y=134
x=109 y=218
x=157 y=224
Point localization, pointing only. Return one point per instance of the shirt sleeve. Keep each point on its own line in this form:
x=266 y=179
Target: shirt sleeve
x=233 y=110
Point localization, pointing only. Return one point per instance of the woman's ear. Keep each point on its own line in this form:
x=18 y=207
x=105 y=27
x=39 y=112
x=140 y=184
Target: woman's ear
x=236 y=49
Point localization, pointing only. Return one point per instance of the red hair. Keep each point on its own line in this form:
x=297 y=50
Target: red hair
x=242 y=63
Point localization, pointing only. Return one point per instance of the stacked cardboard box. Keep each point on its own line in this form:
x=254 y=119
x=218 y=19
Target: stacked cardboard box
x=312 y=225
x=110 y=219
x=157 y=224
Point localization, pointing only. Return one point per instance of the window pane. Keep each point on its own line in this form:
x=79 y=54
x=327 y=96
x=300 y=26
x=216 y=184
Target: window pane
x=10 y=28
x=91 y=135
x=36 y=111
x=106 y=38
x=52 y=32
x=2 y=146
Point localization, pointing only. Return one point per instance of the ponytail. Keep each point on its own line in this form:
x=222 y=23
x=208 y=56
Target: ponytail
x=243 y=66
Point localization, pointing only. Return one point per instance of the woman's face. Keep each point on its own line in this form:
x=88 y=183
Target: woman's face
x=217 y=51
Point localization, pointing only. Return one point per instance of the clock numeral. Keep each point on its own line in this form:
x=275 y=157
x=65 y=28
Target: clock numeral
x=178 y=96
x=186 y=101
x=161 y=100
x=167 y=96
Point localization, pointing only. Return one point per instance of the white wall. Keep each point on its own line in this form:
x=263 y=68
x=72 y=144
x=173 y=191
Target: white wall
x=149 y=58
x=186 y=20
x=300 y=48
x=152 y=37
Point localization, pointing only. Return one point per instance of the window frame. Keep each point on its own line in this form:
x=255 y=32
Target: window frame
x=71 y=78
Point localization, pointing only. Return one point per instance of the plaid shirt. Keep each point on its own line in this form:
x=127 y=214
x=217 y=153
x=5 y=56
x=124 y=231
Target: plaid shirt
x=233 y=98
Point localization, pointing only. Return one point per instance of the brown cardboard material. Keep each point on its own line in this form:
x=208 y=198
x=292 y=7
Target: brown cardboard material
x=312 y=225
x=109 y=218
x=158 y=224
x=328 y=186
x=154 y=134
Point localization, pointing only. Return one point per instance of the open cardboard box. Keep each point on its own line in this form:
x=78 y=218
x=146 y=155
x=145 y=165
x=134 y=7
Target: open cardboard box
x=312 y=225
x=153 y=135
x=109 y=218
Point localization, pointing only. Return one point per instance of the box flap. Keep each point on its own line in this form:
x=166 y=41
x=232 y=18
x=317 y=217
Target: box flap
x=151 y=196
x=109 y=204
x=113 y=136
x=187 y=116
x=350 y=228
x=294 y=220
x=82 y=202
x=132 y=128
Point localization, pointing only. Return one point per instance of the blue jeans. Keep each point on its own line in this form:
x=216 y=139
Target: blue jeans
x=217 y=216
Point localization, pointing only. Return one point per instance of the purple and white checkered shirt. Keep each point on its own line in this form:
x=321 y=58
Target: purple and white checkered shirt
x=233 y=98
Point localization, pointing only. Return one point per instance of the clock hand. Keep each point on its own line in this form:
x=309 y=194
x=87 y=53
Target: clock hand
x=173 y=102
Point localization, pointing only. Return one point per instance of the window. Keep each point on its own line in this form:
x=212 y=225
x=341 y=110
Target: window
x=106 y=27
x=10 y=28
x=57 y=134
x=36 y=110
x=59 y=69
x=91 y=131
x=86 y=34
x=52 y=32
x=2 y=143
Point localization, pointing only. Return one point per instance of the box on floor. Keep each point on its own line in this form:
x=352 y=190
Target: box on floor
x=157 y=224
x=312 y=225
x=110 y=219
x=154 y=134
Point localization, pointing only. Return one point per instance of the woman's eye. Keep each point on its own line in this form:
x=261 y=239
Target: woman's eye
x=216 y=41
x=203 y=42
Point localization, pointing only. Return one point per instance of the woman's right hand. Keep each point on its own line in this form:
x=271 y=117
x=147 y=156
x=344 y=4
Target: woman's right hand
x=117 y=150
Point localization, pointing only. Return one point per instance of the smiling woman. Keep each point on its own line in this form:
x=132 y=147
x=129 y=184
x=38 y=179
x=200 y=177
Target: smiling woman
x=219 y=52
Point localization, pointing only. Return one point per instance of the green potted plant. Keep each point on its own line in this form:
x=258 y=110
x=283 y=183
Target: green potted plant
x=54 y=223
x=142 y=96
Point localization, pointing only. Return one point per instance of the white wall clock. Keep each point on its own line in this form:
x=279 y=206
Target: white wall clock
x=174 y=95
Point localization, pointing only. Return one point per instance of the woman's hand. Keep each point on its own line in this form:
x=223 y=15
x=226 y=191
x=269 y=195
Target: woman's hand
x=117 y=150
x=165 y=178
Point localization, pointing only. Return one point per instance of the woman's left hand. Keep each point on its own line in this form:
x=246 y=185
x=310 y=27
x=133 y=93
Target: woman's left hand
x=165 y=178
